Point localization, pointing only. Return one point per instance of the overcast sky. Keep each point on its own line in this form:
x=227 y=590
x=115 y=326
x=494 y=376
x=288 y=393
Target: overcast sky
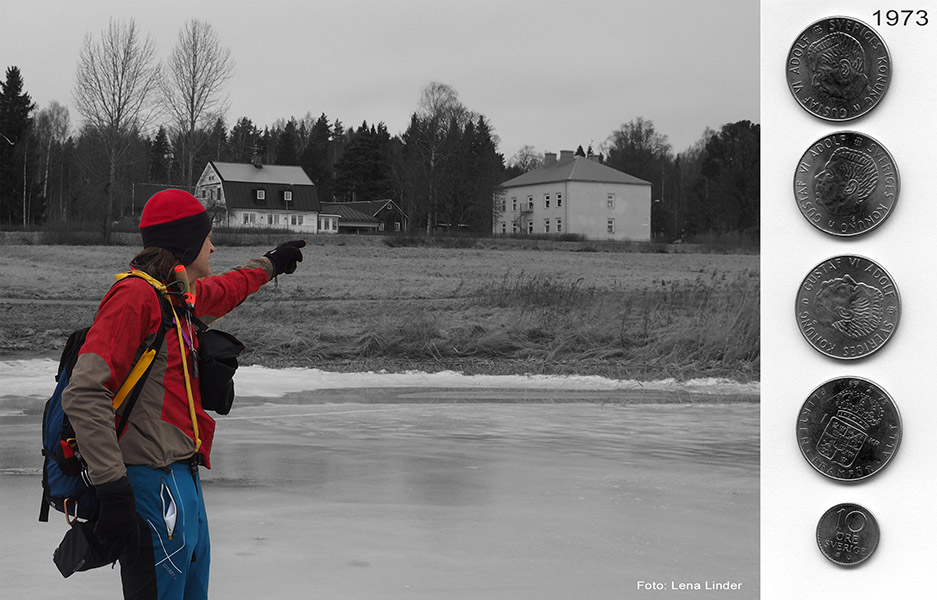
x=549 y=73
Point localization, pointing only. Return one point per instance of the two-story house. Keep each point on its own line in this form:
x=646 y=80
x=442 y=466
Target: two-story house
x=255 y=195
x=577 y=195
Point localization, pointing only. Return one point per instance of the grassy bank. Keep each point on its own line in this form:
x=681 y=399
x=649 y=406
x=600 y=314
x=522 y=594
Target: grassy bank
x=476 y=310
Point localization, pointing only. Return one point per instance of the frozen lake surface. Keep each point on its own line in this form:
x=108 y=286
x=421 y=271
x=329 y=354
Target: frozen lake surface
x=441 y=492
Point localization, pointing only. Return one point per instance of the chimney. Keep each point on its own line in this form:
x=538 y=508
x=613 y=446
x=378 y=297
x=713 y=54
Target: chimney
x=566 y=154
x=594 y=157
x=549 y=159
x=255 y=160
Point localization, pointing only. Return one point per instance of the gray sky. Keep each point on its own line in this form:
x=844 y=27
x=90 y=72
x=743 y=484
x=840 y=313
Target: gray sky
x=550 y=73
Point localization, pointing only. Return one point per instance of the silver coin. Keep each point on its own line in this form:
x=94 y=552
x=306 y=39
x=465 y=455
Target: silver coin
x=848 y=307
x=838 y=69
x=846 y=184
x=849 y=429
x=848 y=534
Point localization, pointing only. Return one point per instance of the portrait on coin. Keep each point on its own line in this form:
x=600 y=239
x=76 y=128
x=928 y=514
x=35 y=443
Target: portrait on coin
x=837 y=61
x=854 y=309
x=847 y=179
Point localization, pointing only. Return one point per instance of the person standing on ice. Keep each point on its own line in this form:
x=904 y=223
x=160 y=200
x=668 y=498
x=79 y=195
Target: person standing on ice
x=147 y=479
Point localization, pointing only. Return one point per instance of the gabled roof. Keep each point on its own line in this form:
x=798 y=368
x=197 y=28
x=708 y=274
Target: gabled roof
x=347 y=212
x=248 y=173
x=240 y=182
x=373 y=207
x=575 y=168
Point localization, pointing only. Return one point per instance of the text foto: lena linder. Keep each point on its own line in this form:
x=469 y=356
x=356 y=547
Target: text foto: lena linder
x=656 y=586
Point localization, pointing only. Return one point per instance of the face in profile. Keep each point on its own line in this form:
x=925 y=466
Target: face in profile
x=837 y=62
x=848 y=178
x=853 y=309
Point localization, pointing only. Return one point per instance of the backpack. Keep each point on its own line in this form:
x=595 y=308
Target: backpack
x=66 y=485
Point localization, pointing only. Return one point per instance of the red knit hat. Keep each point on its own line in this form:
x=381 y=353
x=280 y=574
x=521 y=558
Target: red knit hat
x=177 y=221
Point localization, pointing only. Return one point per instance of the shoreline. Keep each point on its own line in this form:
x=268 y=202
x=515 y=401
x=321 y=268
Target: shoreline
x=35 y=377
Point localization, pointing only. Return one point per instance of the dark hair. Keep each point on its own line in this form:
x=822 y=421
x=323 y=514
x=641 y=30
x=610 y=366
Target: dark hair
x=157 y=262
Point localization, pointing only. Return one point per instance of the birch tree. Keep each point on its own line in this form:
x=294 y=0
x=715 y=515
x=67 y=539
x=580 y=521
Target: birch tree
x=193 y=89
x=114 y=83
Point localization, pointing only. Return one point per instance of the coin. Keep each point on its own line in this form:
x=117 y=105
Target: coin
x=847 y=534
x=838 y=69
x=849 y=429
x=846 y=184
x=847 y=307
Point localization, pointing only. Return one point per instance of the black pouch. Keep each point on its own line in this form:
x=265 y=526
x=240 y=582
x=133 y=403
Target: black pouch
x=217 y=361
x=81 y=550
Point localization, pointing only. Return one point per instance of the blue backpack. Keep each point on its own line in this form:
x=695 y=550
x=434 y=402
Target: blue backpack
x=66 y=485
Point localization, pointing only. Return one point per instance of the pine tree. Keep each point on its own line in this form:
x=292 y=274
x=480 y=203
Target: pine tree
x=160 y=157
x=16 y=124
x=243 y=141
x=287 y=145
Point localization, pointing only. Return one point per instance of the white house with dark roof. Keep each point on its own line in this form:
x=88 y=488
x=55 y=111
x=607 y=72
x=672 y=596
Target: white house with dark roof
x=255 y=195
x=577 y=195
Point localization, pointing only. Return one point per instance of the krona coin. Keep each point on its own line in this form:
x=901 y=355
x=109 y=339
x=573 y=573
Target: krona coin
x=849 y=429
x=847 y=307
x=838 y=69
x=847 y=534
x=846 y=184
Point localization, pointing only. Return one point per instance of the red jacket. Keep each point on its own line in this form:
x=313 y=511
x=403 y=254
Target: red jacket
x=159 y=431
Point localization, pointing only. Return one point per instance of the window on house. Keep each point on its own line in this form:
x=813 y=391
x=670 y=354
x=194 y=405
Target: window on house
x=396 y=225
x=546 y=225
x=504 y=227
x=530 y=202
x=292 y=219
x=245 y=219
x=559 y=225
x=514 y=203
x=546 y=200
x=610 y=200
x=611 y=225
x=300 y=220
x=269 y=219
x=530 y=226
x=288 y=196
x=514 y=228
x=380 y=227
x=559 y=200
x=260 y=195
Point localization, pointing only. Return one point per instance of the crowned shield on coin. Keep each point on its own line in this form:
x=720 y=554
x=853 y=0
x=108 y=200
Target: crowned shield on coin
x=846 y=184
x=848 y=307
x=838 y=69
x=849 y=429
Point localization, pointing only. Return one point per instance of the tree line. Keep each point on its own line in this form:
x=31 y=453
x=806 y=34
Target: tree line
x=146 y=122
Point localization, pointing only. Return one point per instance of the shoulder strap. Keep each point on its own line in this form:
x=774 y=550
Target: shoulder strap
x=133 y=384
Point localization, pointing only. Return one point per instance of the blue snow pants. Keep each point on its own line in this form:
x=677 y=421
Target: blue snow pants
x=172 y=559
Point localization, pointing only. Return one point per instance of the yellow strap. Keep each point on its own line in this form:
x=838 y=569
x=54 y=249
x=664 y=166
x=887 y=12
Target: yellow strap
x=185 y=368
x=146 y=277
x=135 y=374
x=188 y=383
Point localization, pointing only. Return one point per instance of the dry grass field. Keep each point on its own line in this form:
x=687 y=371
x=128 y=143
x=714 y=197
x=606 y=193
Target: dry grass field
x=370 y=306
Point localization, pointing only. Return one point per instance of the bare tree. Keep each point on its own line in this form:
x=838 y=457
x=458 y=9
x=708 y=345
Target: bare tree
x=526 y=159
x=52 y=128
x=116 y=76
x=438 y=109
x=196 y=73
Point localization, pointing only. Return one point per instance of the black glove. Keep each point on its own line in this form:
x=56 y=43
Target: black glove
x=285 y=256
x=117 y=519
